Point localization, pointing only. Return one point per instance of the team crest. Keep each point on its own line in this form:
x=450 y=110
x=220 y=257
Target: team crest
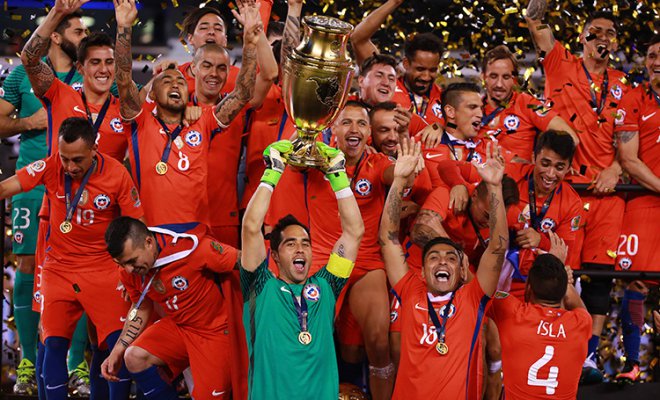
x=116 y=125
x=37 y=297
x=18 y=237
x=102 y=201
x=180 y=283
x=311 y=292
x=616 y=92
x=477 y=157
x=625 y=263
x=193 y=138
x=36 y=167
x=620 y=116
x=77 y=85
x=437 y=110
x=158 y=286
x=501 y=295
x=575 y=223
x=363 y=187
x=511 y=122
x=217 y=247
x=547 y=225
x=452 y=311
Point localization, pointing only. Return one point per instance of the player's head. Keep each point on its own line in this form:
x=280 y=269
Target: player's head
x=547 y=280
x=170 y=90
x=499 y=73
x=275 y=31
x=68 y=34
x=131 y=245
x=210 y=65
x=96 y=62
x=599 y=35
x=352 y=129
x=461 y=106
x=377 y=80
x=422 y=56
x=444 y=265
x=384 y=134
x=204 y=25
x=291 y=249
x=479 y=200
x=553 y=154
x=652 y=61
x=77 y=146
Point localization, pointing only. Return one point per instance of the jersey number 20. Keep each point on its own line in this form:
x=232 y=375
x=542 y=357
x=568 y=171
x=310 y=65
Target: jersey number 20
x=550 y=383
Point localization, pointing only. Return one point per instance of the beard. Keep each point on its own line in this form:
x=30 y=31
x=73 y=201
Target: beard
x=69 y=49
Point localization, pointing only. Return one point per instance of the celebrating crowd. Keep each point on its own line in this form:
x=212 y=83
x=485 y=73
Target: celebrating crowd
x=433 y=248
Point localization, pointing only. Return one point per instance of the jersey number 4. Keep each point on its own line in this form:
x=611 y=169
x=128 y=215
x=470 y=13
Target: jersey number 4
x=551 y=383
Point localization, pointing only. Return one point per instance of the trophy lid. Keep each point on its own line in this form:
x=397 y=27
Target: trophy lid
x=328 y=24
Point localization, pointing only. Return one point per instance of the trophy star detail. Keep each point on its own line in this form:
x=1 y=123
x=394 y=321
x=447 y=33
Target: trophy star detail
x=316 y=79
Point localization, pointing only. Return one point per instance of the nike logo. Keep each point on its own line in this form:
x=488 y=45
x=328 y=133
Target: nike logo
x=216 y=394
x=122 y=319
x=58 y=196
x=48 y=387
x=149 y=392
x=76 y=108
x=645 y=117
x=420 y=308
x=285 y=289
x=430 y=156
x=161 y=131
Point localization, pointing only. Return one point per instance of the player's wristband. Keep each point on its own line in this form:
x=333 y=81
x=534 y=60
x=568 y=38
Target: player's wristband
x=271 y=177
x=338 y=180
x=344 y=193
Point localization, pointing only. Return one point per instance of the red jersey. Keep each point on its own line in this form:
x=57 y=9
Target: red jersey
x=427 y=107
x=639 y=111
x=289 y=197
x=419 y=374
x=517 y=125
x=542 y=348
x=179 y=196
x=568 y=87
x=183 y=283
x=61 y=101
x=109 y=192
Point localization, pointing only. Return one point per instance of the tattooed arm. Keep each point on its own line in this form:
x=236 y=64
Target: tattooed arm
x=541 y=33
x=628 y=152
x=291 y=35
x=428 y=225
x=490 y=265
x=361 y=36
x=129 y=96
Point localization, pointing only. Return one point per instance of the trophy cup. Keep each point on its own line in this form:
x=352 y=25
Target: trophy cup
x=316 y=79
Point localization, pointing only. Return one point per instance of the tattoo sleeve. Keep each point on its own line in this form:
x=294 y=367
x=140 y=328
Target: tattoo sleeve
x=392 y=214
x=129 y=96
x=231 y=105
x=536 y=9
x=40 y=74
x=626 y=136
x=291 y=36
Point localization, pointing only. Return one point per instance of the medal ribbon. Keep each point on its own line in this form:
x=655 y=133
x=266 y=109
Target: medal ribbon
x=69 y=75
x=101 y=114
x=475 y=227
x=536 y=219
x=170 y=138
x=485 y=120
x=450 y=143
x=440 y=328
x=72 y=205
x=598 y=108
x=425 y=103
x=301 y=309
x=358 y=167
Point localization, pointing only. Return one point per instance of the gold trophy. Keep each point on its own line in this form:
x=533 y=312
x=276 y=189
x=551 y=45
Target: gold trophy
x=316 y=79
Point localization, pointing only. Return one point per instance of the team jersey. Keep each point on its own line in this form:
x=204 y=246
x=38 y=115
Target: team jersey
x=542 y=348
x=280 y=366
x=639 y=111
x=110 y=192
x=428 y=107
x=423 y=373
x=17 y=91
x=179 y=196
x=183 y=283
x=516 y=126
x=570 y=92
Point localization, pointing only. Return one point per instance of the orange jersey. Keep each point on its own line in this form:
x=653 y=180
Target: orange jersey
x=179 y=196
x=427 y=108
x=110 y=192
x=516 y=126
x=183 y=284
x=61 y=101
x=423 y=373
x=542 y=348
x=570 y=92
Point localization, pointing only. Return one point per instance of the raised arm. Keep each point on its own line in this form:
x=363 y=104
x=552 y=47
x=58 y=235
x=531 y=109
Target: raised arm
x=406 y=164
x=129 y=95
x=559 y=249
x=490 y=264
x=40 y=74
x=291 y=35
x=558 y=124
x=427 y=226
x=361 y=36
x=268 y=71
x=628 y=143
x=541 y=33
x=231 y=105
x=254 y=250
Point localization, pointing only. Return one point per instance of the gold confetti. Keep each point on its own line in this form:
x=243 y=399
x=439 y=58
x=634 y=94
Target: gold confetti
x=511 y=10
x=611 y=253
x=586 y=206
x=175 y=3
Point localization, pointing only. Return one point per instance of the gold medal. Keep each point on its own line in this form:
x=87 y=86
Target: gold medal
x=441 y=348
x=66 y=227
x=161 y=168
x=305 y=338
x=132 y=315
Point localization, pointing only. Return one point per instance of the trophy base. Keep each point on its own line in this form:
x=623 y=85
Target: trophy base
x=305 y=154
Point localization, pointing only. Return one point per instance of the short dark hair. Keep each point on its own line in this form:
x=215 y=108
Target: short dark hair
x=95 y=39
x=275 y=28
x=547 y=278
x=451 y=95
x=655 y=39
x=608 y=15
x=382 y=106
x=65 y=22
x=376 y=59
x=500 y=52
x=560 y=142
x=442 y=240
x=74 y=128
x=510 y=192
x=277 y=50
x=422 y=42
x=357 y=104
x=275 y=236
x=192 y=19
x=120 y=230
